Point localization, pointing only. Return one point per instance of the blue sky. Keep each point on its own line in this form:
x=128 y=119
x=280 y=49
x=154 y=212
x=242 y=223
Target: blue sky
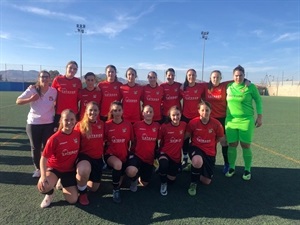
x=263 y=36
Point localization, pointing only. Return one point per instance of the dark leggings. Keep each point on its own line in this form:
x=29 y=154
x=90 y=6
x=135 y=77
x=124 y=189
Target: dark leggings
x=38 y=136
x=186 y=143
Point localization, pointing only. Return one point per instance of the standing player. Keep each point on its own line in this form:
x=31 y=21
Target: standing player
x=90 y=163
x=239 y=124
x=172 y=95
x=205 y=132
x=110 y=90
x=67 y=87
x=119 y=136
x=39 y=128
x=153 y=95
x=131 y=97
x=58 y=160
x=171 y=137
x=88 y=94
x=140 y=162
x=192 y=94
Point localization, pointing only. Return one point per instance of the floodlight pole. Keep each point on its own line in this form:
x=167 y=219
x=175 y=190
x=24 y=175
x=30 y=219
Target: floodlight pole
x=204 y=37
x=80 y=30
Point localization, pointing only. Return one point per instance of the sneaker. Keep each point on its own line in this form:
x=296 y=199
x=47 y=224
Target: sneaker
x=83 y=199
x=164 y=189
x=133 y=185
x=192 y=189
x=230 y=173
x=47 y=201
x=36 y=173
x=58 y=185
x=246 y=175
x=184 y=163
x=116 y=196
x=225 y=168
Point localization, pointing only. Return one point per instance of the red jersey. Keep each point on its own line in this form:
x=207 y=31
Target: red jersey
x=204 y=136
x=217 y=98
x=85 y=96
x=171 y=96
x=131 y=98
x=110 y=93
x=92 y=145
x=118 y=138
x=153 y=96
x=191 y=97
x=145 y=137
x=171 y=140
x=67 y=92
x=62 y=150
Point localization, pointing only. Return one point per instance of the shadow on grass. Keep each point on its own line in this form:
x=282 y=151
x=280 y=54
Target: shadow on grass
x=12 y=130
x=15 y=160
x=17 y=178
x=271 y=192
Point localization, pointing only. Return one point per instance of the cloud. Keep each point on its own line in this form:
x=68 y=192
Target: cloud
x=48 y=13
x=120 y=23
x=287 y=37
x=39 y=46
x=4 y=36
x=163 y=45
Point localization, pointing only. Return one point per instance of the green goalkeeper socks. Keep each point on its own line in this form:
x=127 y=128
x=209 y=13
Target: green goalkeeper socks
x=247 y=155
x=232 y=156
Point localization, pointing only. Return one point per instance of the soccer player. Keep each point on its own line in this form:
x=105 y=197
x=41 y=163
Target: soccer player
x=204 y=132
x=192 y=93
x=88 y=94
x=67 y=87
x=153 y=95
x=39 y=127
x=90 y=163
x=131 y=94
x=140 y=162
x=171 y=137
x=118 y=136
x=171 y=93
x=240 y=123
x=110 y=90
x=58 y=160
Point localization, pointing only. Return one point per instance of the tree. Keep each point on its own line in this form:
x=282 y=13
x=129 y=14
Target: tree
x=53 y=73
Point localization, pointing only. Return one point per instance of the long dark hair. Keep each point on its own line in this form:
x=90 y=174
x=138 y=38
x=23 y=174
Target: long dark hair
x=38 y=83
x=210 y=85
x=186 y=82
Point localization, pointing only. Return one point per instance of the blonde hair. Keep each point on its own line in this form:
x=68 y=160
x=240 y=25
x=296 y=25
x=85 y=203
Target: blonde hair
x=64 y=113
x=85 y=126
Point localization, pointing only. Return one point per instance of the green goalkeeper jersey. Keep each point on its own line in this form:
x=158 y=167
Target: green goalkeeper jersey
x=240 y=100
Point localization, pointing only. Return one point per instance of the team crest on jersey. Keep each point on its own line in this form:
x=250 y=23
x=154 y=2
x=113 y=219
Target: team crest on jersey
x=157 y=93
x=75 y=140
x=74 y=85
x=181 y=131
x=94 y=96
x=50 y=98
x=99 y=127
x=210 y=130
x=115 y=87
x=124 y=130
x=154 y=129
x=135 y=92
x=176 y=89
x=196 y=91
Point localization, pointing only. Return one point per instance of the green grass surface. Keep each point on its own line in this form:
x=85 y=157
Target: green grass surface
x=271 y=197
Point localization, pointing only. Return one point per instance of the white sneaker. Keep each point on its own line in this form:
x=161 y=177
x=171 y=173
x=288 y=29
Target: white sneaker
x=47 y=201
x=58 y=185
x=36 y=173
x=133 y=186
x=164 y=189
